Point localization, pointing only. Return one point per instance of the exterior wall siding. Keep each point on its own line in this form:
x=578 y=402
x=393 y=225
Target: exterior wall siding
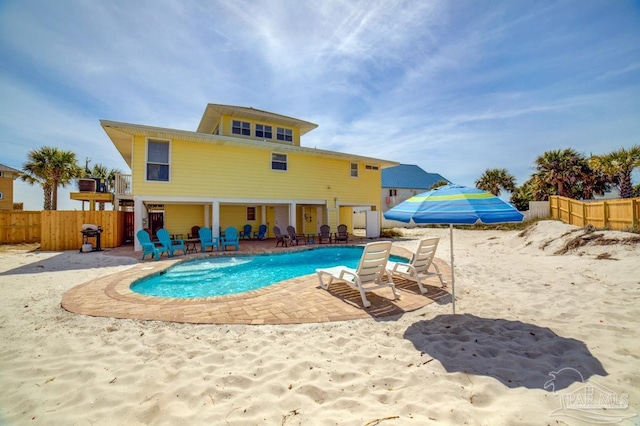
x=6 y=187
x=179 y=218
x=203 y=170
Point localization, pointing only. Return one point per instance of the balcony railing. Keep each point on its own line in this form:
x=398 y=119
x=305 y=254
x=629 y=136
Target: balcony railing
x=123 y=185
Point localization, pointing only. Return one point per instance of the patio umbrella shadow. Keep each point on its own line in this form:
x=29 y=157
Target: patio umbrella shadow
x=515 y=353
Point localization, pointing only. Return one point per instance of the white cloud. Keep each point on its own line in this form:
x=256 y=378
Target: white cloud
x=455 y=87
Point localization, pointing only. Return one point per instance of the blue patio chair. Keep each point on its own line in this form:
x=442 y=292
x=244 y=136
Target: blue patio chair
x=246 y=232
x=148 y=247
x=207 y=239
x=230 y=238
x=261 y=234
x=165 y=239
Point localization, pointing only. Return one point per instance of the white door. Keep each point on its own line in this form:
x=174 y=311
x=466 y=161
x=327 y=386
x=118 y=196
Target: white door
x=281 y=216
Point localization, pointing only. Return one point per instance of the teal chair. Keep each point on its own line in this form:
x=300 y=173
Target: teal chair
x=230 y=238
x=246 y=232
x=261 y=234
x=148 y=247
x=172 y=245
x=207 y=239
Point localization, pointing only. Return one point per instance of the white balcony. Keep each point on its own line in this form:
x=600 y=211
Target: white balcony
x=123 y=185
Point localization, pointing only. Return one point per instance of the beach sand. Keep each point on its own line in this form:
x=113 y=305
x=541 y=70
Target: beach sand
x=523 y=312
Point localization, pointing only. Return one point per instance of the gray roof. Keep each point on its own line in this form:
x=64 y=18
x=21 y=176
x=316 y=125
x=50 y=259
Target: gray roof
x=4 y=168
x=409 y=176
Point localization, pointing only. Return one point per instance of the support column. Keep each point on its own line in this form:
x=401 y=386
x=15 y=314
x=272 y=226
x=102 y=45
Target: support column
x=215 y=220
x=292 y=214
x=263 y=216
x=139 y=220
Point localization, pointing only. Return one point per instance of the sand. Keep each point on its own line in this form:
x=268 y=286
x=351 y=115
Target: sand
x=523 y=313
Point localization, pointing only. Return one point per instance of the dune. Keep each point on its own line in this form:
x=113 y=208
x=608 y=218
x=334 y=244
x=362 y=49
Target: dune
x=544 y=318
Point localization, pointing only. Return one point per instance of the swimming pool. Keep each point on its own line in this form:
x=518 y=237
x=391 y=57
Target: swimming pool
x=219 y=276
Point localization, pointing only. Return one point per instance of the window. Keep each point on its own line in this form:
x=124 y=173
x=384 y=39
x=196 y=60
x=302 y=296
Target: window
x=241 y=128
x=354 y=169
x=284 y=134
x=251 y=214
x=264 y=131
x=370 y=167
x=393 y=192
x=1 y=195
x=278 y=161
x=158 y=160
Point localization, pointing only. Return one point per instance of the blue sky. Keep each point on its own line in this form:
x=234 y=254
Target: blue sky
x=455 y=87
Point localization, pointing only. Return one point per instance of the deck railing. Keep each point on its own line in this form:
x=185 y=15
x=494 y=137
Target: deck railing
x=123 y=185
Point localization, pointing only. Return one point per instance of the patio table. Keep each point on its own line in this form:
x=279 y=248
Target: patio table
x=191 y=245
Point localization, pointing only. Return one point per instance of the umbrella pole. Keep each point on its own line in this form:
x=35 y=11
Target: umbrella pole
x=453 y=279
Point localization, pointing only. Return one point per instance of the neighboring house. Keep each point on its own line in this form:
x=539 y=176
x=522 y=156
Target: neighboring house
x=7 y=176
x=404 y=181
x=241 y=166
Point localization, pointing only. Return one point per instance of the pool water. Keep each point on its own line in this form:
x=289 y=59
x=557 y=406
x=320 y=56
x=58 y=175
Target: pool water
x=219 y=276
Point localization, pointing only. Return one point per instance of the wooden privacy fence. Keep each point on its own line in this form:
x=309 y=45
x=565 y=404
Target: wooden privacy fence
x=60 y=230
x=614 y=214
x=19 y=227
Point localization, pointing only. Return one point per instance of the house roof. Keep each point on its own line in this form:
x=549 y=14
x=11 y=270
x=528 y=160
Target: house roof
x=214 y=112
x=4 y=168
x=409 y=176
x=122 y=135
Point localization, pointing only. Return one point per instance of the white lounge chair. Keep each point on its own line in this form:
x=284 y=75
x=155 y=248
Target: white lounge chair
x=368 y=275
x=421 y=261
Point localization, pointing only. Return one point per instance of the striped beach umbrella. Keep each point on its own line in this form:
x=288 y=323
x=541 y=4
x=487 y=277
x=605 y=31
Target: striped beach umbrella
x=454 y=205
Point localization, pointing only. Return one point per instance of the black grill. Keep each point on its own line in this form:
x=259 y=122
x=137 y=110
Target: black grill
x=92 y=232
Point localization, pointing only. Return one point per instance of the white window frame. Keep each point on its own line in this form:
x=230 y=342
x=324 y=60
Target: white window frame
x=264 y=131
x=285 y=162
x=241 y=128
x=147 y=162
x=284 y=134
x=352 y=169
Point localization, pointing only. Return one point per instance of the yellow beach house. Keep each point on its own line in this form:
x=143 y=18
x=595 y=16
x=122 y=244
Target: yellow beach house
x=241 y=166
x=7 y=176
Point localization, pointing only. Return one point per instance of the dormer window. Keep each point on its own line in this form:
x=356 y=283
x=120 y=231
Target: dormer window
x=263 y=131
x=241 y=128
x=284 y=134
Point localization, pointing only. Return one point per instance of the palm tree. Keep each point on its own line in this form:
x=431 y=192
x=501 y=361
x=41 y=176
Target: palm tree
x=620 y=165
x=495 y=180
x=51 y=168
x=562 y=168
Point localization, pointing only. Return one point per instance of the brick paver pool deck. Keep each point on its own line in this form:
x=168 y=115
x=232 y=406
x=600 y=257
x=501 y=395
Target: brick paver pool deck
x=298 y=300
